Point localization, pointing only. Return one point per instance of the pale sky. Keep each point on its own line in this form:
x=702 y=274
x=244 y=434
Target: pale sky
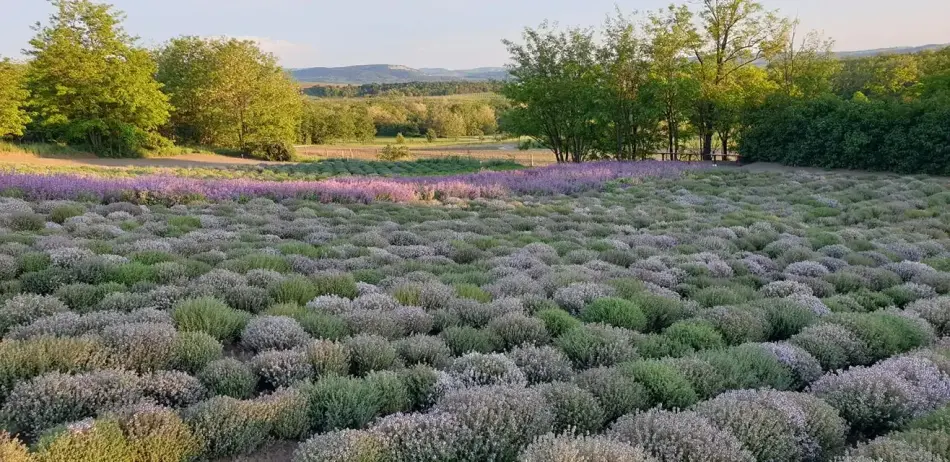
x=451 y=33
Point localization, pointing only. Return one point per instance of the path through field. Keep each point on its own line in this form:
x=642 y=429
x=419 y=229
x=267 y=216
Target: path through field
x=538 y=158
x=182 y=161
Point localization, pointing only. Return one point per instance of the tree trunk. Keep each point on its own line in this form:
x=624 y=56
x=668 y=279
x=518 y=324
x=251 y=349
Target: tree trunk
x=707 y=146
x=725 y=146
x=669 y=130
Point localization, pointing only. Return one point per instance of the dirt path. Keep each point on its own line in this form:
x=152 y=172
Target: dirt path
x=182 y=161
x=219 y=161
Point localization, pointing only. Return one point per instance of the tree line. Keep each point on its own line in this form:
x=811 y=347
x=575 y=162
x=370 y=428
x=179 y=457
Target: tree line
x=361 y=119
x=401 y=89
x=714 y=76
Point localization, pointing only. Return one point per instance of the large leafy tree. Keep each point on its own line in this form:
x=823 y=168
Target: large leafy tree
x=630 y=116
x=555 y=90
x=90 y=84
x=13 y=95
x=672 y=85
x=804 y=66
x=892 y=77
x=734 y=35
x=228 y=93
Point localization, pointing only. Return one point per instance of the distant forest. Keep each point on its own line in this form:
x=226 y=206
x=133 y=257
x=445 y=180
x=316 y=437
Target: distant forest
x=402 y=89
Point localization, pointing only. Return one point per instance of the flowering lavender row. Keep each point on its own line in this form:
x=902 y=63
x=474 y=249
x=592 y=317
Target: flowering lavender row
x=558 y=179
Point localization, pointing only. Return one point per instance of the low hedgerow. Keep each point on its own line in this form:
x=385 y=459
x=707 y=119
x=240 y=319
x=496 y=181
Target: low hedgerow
x=286 y=412
x=696 y=335
x=173 y=389
x=295 y=289
x=660 y=311
x=478 y=369
x=22 y=360
x=886 y=396
x=327 y=357
x=140 y=346
x=369 y=353
x=746 y=366
x=26 y=308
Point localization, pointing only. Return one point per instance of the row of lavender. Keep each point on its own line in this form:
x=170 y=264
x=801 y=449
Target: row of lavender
x=557 y=179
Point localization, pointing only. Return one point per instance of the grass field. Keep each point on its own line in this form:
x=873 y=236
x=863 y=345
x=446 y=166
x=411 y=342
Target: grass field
x=669 y=314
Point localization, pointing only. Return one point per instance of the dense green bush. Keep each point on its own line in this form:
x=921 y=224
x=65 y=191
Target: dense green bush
x=830 y=132
x=342 y=402
x=229 y=377
x=616 y=312
x=665 y=384
x=227 y=426
x=594 y=345
x=209 y=315
x=278 y=151
x=192 y=351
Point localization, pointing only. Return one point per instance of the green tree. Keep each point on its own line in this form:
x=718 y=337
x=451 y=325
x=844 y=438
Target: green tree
x=672 y=83
x=233 y=94
x=746 y=89
x=804 y=68
x=880 y=77
x=431 y=135
x=734 y=34
x=13 y=96
x=447 y=122
x=483 y=120
x=90 y=84
x=554 y=91
x=631 y=117
x=184 y=68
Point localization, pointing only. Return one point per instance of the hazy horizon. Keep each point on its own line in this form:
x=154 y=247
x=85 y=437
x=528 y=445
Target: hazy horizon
x=451 y=35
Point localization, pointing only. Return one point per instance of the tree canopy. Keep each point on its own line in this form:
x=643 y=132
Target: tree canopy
x=228 y=93
x=693 y=75
x=90 y=84
x=13 y=97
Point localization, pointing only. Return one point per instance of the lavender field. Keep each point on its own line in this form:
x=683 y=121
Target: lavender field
x=595 y=313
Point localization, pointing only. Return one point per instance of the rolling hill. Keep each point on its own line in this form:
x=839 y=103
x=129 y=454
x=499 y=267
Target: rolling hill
x=389 y=73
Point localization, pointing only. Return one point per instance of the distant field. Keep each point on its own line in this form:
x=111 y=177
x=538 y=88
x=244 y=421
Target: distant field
x=466 y=97
x=469 y=148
